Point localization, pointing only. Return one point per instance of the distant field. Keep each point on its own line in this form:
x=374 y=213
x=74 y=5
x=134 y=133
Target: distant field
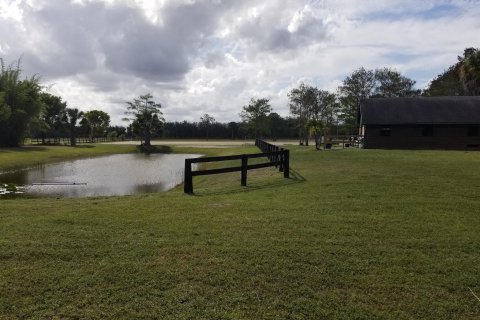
x=354 y=234
x=207 y=143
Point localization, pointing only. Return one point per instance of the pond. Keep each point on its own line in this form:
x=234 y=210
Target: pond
x=120 y=174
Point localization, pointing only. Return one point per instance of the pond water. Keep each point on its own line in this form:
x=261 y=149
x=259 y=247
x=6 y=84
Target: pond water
x=120 y=174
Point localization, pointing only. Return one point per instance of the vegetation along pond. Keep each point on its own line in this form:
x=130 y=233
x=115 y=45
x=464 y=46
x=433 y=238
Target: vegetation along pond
x=120 y=174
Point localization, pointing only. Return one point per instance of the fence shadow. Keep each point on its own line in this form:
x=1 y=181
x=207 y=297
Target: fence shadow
x=23 y=149
x=295 y=178
x=294 y=174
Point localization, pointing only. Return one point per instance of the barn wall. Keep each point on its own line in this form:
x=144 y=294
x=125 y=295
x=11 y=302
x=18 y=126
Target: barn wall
x=410 y=137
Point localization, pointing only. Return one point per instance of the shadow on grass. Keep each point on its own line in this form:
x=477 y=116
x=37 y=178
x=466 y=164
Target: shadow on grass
x=24 y=149
x=295 y=178
x=83 y=146
x=154 y=149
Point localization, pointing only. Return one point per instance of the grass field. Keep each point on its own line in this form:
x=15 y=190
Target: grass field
x=354 y=234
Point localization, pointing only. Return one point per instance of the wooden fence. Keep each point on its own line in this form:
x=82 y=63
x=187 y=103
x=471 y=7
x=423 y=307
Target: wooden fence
x=66 y=141
x=277 y=157
x=344 y=141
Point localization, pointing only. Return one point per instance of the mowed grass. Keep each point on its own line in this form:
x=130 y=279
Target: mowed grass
x=354 y=234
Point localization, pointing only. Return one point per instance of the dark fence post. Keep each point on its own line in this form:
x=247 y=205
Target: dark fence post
x=244 y=170
x=280 y=158
x=188 y=181
x=286 y=163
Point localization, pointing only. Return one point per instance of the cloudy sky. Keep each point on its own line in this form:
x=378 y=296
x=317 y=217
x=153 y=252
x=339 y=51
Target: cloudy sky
x=213 y=56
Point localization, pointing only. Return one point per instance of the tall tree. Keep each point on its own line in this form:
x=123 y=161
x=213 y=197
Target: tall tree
x=146 y=116
x=73 y=115
x=53 y=115
x=233 y=129
x=20 y=104
x=302 y=100
x=355 y=88
x=363 y=84
x=446 y=84
x=206 y=120
x=322 y=115
x=450 y=82
x=470 y=74
x=117 y=132
x=392 y=84
x=278 y=126
x=255 y=115
x=97 y=121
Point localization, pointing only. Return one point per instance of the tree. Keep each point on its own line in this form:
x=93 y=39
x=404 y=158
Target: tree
x=323 y=114
x=470 y=74
x=277 y=125
x=53 y=115
x=363 y=84
x=146 y=116
x=233 y=129
x=391 y=84
x=206 y=120
x=453 y=80
x=20 y=104
x=117 y=132
x=182 y=129
x=358 y=86
x=446 y=84
x=302 y=100
x=73 y=115
x=255 y=116
x=97 y=121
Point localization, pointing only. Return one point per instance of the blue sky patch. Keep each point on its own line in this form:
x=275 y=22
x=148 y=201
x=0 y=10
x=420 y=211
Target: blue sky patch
x=436 y=12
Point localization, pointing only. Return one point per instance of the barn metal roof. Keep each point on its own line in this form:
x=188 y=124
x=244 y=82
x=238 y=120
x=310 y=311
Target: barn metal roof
x=421 y=110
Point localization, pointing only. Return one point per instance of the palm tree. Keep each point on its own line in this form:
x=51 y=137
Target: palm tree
x=20 y=104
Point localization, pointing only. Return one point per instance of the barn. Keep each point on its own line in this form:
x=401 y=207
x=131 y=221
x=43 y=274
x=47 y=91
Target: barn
x=421 y=123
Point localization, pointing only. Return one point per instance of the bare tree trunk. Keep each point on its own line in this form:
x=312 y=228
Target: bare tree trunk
x=147 y=138
x=318 y=141
x=73 y=138
x=301 y=136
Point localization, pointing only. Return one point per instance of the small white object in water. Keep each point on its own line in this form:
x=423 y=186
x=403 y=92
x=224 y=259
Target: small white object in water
x=59 y=184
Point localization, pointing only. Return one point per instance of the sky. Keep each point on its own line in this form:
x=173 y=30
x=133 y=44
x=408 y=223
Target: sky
x=213 y=56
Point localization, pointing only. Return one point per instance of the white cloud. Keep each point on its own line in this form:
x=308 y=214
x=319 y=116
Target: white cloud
x=212 y=56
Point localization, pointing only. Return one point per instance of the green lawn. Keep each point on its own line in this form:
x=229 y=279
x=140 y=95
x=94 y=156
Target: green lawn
x=354 y=234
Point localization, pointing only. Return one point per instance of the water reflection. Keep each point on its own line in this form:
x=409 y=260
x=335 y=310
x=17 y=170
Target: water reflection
x=121 y=174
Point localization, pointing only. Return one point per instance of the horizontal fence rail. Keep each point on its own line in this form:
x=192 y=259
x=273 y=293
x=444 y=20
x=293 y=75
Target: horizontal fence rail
x=66 y=140
x=278 y=157
x=345 y=141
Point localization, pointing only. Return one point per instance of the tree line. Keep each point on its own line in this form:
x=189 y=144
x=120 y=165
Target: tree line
x=26 y=110
x=318 y=112
x=460 y=79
